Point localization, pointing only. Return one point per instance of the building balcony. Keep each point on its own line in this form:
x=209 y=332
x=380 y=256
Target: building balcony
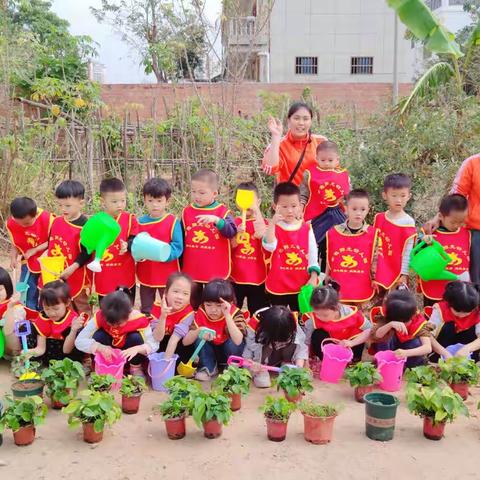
x=246 y=31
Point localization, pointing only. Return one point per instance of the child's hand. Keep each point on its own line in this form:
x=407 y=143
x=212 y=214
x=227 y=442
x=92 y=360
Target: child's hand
x=166 y=310
x=226 y=307
x=376 y=287
x=463 y=352
x=15 y=261
x=400 y=353
x=131 y=352
x=77 y=324
x=428 y=239
x=207 y=336
x=313 y=280
x=275 y=126
x=346 y=343
x=68 y=272
x=123 y=247
x=276 y=218
x=399 y=327
x=241 y=228
x=207 y=219
x=106 y=351
x=402 y=281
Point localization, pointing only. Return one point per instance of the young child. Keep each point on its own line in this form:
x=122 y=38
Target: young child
x=456 y=317
x=399 y=326
x=163 y=226
x=208 y=227
x=29 y=229
x=455 y=239
x=7 y=302
x=331 y=319
x=274 y=338
x=218 y=312
x=54 y=329
x=118 y=266
x=249 y=269
x=174 y=316
x=397 y=233
x=64 y=241
x=352 y=251
x=291 y=241
x=322 y=191
x=118 y=325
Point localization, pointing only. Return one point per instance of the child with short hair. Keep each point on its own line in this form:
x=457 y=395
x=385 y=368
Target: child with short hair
x=249 y=269
x=294 y=259
x=8 y=301
x=396 y=231
x=118 y=325
x=163 y=226
x=352 y=251
x=217 y=312
x=455 y=239
x=29 y=229
x=118 y=266
x=322 y=191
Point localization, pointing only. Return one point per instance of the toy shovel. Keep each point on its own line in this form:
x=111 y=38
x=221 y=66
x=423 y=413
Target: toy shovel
x=23 y=329
x=242 y=362
x=187 y=369
x=244 y=200
x=22 y=288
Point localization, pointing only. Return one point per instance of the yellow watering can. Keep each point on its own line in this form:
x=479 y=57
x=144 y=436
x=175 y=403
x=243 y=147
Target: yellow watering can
x=187 y=369
x=429 y=262
x=244 y=200
x=52 y=268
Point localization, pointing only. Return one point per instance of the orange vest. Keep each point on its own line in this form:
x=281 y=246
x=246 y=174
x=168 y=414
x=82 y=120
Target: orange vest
x=327 y=188
x=155 y=274
x=393 y=241
x=206 y=253
x=220 y=325
x=457 y=245
x=119 y=333
x=461 y=323
x=289 y=262
x=350 y=261
x=345 y=328
x=173 y=318
x=26 y=238
x=248 y=257
x=118 y=270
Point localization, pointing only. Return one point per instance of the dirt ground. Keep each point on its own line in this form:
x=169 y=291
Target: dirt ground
x=137 y=447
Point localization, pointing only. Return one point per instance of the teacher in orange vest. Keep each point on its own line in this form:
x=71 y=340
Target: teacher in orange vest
x=289 y=155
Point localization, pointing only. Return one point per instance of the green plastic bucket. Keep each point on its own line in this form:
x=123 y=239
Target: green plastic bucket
x=380 y=412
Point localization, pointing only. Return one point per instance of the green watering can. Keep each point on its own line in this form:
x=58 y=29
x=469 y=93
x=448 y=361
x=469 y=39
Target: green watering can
x=429 y=262
x=304 y=298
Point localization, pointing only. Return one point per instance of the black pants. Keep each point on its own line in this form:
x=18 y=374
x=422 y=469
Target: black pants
x=322 y=254
x=184 y=352
x=132 y=340
x=318 y=336
x=54 y=349
x=285 y=300
x=448 y=336
x=255 y=295
x=147 y=297
x=131 y=293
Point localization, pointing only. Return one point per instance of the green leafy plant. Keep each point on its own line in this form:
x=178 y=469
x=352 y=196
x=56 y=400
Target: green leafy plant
x=294 y=381
x=101 y=383
x=181 y=387
x=22 y=412
x=425 y=375
x=363 y=374
x=459 y=370
x=174 y=408
x=211 y=406
x=98 y=408
x=62 y=378
x=132 y=386
x=309 y=407
x=277 y=408
x=18 y=366
x=234 y=380
x=439 y=402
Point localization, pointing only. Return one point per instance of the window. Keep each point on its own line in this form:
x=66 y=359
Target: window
x=456 y=2
x=433 y=4
x=306 y=65
x=362 y=65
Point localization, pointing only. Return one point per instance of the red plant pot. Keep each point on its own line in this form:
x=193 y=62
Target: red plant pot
x=212 y=429
x=90 y=435
x=175 y=427
x=56 y=405
x=431 y=431
x=235 y=401
x=359 y=392
x=318 y=430
x=461 y=388
x=294 y=399
x=24 y=436
x=276 y=429
x=130 y=404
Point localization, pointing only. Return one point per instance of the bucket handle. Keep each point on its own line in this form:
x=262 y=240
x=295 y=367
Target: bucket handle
x=149 y=369
x=332 y=340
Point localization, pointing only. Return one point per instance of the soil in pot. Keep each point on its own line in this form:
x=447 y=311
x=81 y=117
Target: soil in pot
x=359 y=392
x=460 y=388
x=318 y=430
x=27 y=388
x=90 y=435
x=212 y=429
x=175 y=427
x=130 y=404
x=24 y=436
x=276 y=429
x=235 y=401
x=431 y=431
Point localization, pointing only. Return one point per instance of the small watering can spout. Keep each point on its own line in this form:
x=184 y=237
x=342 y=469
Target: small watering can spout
x=445 y=275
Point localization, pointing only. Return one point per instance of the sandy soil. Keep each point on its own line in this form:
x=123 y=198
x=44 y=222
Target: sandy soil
x=137 y=447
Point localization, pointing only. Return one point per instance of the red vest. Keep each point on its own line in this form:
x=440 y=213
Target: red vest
x=119 y=334
x=327 y=188
x=248 y=257
x=173 y=318
x=25 y=238
x=155 y=274
x=50 y=329
x=461 y=323
x=289 y=262
x=345 y=328
x=393 y=241
x=457 y=245
x=3 y=307
x=414 y=325
x=350 y=260
x=220 y=325
x=206 y=253
x=118 y=270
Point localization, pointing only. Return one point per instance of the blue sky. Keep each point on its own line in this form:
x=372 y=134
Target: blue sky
x=122 y=66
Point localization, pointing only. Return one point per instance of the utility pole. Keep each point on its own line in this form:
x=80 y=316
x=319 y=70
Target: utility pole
x=395 y=60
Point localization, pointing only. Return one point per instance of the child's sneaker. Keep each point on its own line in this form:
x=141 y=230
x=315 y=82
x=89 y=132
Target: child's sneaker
x=137 y=371
x=262 y=379
x=203 y=375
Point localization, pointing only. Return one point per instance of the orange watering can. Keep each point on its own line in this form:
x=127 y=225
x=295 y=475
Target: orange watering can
x=429 y=262
x=244 y=200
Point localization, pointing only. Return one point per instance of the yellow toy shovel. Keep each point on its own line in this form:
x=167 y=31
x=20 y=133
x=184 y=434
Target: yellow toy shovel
x=187 y=369
x=244 y=200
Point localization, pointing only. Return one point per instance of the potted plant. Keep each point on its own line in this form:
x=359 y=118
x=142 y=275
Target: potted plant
x=277 y=411
x=363 y=376
x=425 y=375
x=294 y=382
x=131 y=390
x=101 y=383
x=437 y=405
x=318 y=421
x=61 y=379
x=459 y=373
x=22 y=416
x=174 y=411
x=93 y=410
x=234 y=382
x=30 y=383
x=18 y=366
x=212 y=410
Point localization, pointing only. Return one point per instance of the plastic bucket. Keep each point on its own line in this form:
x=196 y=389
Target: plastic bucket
x=145 y=247
x=52 y=268
x=380 y=412
x=390 y=368
x=161 y=370
x=304 y=298
x=452 y=349
x=335 y=359
x=113 y=367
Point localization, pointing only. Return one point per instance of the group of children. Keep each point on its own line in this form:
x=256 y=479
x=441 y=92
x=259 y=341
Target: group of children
x=219 y=265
